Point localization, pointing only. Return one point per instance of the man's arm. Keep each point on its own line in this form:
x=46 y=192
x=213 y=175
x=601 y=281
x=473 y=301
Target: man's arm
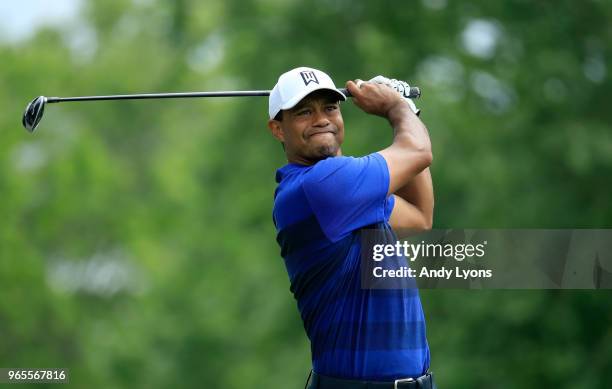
x=414 y=204
x=407 y=157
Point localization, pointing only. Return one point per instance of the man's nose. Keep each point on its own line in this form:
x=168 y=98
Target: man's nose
x=320 y=118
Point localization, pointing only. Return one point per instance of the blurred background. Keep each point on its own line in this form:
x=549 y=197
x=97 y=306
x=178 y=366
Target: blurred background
x=136 y=241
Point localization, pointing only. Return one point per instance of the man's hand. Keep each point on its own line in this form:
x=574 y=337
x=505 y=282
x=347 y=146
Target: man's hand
x=374 y=98
x=401 y=87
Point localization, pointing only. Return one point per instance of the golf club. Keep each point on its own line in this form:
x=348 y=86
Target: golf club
x=35 y=109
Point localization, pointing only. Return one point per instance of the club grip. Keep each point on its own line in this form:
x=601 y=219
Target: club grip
x=414 y=93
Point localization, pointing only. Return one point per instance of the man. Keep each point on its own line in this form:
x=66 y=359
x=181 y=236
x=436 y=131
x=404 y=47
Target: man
x=360 y=338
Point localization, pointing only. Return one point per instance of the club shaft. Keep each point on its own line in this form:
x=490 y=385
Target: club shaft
x=160 y=96
x=414 y=92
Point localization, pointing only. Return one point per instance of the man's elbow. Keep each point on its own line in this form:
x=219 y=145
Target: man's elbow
x=423 y=160
x=428 y=217
x=424 y=224
x=424 y=151
x=426 y=157
x=409 y=143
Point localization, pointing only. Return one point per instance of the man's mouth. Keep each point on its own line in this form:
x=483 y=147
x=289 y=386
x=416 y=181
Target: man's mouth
x=321 y=132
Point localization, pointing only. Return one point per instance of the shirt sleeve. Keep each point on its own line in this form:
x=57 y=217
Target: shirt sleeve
x=347 y=193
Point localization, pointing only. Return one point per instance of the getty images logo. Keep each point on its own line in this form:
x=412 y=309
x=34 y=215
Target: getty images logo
x=309 y=76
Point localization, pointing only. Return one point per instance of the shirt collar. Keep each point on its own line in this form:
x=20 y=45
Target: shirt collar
x=287 y=170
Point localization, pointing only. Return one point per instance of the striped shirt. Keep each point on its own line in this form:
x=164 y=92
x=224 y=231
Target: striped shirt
x=355 y=333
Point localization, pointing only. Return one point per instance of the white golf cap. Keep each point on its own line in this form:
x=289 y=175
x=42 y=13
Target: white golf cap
x=296 y=84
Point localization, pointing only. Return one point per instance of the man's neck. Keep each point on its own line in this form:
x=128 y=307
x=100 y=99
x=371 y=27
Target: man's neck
x=309 y=162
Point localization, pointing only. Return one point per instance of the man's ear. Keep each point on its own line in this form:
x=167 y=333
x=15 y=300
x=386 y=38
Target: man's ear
x=276 y=130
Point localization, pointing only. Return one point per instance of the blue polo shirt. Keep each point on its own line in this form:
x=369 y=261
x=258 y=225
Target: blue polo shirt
x=367 y=334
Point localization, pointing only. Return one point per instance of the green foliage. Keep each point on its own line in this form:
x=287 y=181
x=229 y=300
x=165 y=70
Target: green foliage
x=136 y=243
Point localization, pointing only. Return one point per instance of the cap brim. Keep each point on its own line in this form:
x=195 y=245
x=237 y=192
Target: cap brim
x=297 y=98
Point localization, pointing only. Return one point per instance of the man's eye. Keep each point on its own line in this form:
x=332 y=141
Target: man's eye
x=332 y=107
x=303 y=112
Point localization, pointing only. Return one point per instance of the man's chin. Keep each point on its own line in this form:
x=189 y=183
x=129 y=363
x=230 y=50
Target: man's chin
x=326 y=151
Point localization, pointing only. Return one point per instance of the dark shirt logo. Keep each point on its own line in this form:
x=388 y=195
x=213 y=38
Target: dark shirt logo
x=309 y=76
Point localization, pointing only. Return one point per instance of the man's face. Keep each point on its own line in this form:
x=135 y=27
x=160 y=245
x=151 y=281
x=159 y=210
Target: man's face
x=312 y=130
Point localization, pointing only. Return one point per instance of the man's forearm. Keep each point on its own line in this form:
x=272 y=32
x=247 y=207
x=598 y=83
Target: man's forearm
x=410 y=152
x=419 y=192
x=408 y=130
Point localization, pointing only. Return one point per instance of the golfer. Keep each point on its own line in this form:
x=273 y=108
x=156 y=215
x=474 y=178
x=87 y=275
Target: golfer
x=360 y=338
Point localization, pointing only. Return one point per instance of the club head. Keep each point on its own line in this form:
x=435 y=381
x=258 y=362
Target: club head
x=33 y=113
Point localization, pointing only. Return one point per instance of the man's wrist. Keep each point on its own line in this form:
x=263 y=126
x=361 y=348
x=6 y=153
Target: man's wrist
x=398 y=112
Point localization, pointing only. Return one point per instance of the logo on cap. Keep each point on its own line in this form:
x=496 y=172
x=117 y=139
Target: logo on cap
x=309 y=76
